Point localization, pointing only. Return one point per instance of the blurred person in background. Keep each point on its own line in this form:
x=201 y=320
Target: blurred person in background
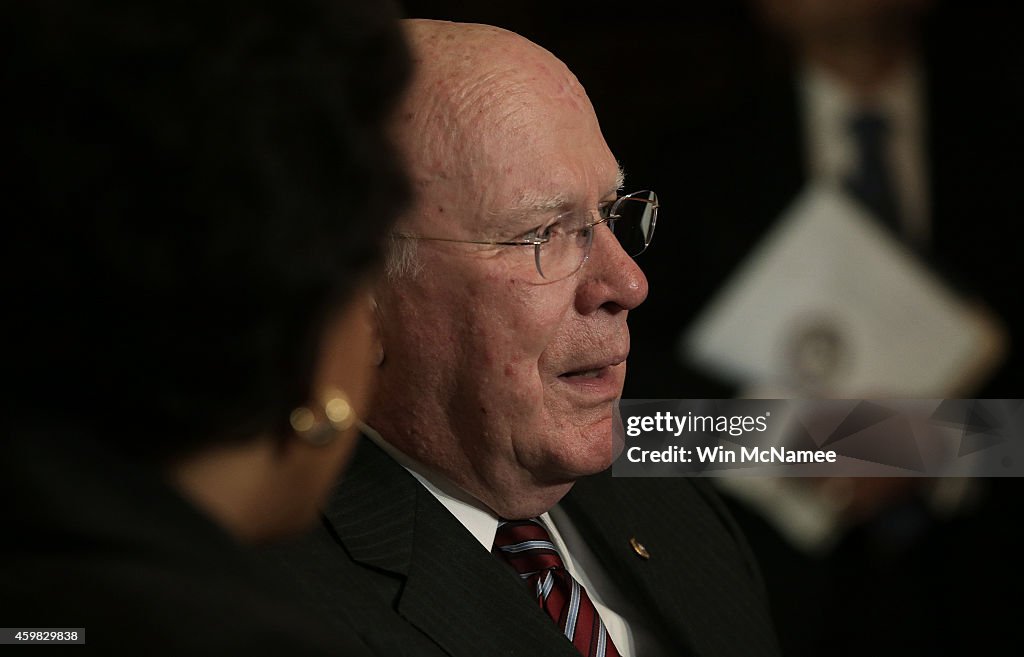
x=910 y=110
x=811 y=92
x=195 y=200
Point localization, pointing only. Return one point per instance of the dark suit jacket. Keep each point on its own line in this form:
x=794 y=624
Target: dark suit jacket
x=97 y=542
x=392 y=561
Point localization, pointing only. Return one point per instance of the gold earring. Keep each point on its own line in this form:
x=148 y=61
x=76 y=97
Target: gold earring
x=338 y=411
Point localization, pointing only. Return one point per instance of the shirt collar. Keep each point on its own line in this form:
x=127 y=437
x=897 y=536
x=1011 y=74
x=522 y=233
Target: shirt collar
x=830 y=101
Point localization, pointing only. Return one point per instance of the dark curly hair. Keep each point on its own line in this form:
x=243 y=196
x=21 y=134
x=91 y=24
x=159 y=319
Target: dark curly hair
x=192 y=189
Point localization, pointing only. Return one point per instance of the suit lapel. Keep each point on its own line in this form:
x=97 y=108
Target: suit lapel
x=601 y=518
x=466 y=600
x=455 y=592
x=694 y=590
x=372 y=511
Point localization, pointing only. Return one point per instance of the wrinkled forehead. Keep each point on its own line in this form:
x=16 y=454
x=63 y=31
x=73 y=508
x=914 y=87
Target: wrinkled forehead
x=468 y=66
x=494 y=123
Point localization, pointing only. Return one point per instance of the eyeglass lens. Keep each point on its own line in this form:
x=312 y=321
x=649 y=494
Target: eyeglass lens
x=632 y=220
x=634 y=226
x=563 y=253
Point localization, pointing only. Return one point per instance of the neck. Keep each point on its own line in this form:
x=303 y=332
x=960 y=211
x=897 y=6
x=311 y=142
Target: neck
x=862 y=62
x=235 y=486
x=460 y=480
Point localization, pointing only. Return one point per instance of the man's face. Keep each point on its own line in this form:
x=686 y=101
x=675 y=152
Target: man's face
x=504 y=384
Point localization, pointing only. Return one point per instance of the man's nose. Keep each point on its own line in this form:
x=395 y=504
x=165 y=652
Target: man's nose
x=610 y=278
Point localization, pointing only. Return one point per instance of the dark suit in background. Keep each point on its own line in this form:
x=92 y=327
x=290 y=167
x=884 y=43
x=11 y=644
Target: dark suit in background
x=393 y=562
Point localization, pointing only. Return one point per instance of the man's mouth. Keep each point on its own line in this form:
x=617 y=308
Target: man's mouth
x=594 y=368
x=595 y=383
x=582 y=374
x=601 y=376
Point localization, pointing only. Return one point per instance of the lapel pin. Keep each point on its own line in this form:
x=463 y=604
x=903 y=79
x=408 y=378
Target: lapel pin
x=639 y=548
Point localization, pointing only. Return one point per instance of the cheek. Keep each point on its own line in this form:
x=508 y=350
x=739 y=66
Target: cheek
x=485 y=327
x=511 y=327
x=519 y=323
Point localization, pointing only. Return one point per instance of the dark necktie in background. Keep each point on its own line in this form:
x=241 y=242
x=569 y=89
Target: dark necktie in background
x=527 y=547
x=871 y=182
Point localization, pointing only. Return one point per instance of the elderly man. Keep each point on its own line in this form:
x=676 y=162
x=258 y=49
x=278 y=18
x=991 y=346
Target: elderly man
x=470 y=524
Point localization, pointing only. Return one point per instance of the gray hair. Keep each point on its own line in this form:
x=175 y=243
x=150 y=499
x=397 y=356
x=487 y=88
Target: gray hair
x=400 y=258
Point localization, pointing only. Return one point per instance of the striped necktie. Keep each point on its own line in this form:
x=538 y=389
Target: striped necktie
x=527 y=547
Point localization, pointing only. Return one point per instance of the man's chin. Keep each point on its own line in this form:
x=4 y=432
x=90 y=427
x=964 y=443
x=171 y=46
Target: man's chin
x=593 y=449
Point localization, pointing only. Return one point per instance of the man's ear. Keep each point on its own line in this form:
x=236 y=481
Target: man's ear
x=378 y=334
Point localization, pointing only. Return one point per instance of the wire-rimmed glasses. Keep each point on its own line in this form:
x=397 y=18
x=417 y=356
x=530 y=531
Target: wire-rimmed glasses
x=563 y=245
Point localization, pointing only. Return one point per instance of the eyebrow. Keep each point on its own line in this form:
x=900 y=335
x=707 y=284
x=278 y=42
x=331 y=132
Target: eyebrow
x=529 y=205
